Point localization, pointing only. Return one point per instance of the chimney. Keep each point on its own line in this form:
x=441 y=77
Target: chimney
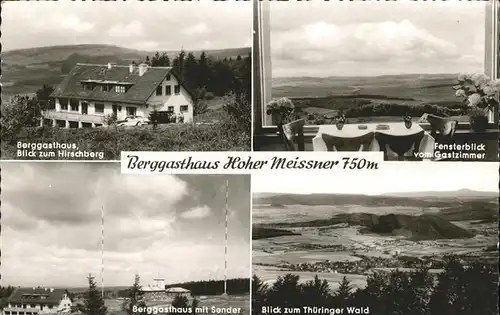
x=142 y=69
x=110 y=65
x=131 y=68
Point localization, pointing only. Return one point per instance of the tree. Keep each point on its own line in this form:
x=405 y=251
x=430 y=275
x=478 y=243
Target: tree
x=18 y=113
x=316 y=292
x=285 y=292
x=181 y=305
x=239 y=110
x=160 y=60
x=135 y=296
x=344 y=291
x=191 y=72
x=94 y=302
x=259 y=291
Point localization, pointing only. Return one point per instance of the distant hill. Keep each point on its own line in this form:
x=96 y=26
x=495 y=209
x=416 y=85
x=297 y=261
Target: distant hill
x=396 y=199
x=26 y=70
x=418 y=87
x=423 y=227
x=259 y=232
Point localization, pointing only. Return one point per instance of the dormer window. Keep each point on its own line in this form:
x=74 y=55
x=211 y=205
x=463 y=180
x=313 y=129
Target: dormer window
x=119 y=89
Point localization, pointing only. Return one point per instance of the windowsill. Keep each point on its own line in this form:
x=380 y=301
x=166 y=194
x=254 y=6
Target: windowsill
x=312 y=130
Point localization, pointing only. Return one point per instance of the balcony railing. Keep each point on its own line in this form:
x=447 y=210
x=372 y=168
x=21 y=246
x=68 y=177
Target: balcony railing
x=73 y=116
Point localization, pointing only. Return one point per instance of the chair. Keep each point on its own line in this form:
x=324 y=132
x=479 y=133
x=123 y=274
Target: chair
x=400 y=144
x=361 y=143
x=441 y=127
x=292 y=135
x=443 y=130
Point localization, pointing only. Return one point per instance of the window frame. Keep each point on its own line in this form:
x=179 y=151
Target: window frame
x=184 y=106
x=159 y=90
x=168 y=90
x=262 y=77
x=177 y=89
x=99 y=104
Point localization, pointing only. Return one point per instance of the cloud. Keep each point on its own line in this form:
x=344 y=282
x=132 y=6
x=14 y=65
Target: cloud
x=155 y=25
x=132 y=29
x=197 y=29
x=73 y=23
x=324 y=42
x=366 y=39
x=199 y=212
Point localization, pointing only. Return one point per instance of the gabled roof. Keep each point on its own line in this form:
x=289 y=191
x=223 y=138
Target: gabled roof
x=143 y=86
x=33 y=296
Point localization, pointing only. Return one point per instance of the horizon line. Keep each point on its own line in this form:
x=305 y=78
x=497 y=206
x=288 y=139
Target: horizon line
x=124 y=47
x=377 y=194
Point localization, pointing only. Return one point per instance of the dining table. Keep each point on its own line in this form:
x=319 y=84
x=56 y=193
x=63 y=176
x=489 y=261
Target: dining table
x=370 y=133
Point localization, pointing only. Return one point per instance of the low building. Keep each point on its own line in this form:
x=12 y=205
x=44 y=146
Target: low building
x=158 y=293
x=34 y=301
x=90 y=94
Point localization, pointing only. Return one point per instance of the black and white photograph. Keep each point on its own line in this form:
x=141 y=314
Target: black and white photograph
x=87 y=80
x=402 y=240
x=82 y=238
x=417 y=81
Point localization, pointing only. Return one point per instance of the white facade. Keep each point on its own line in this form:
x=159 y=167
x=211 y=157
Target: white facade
x=88 y=113
x=39 y=308
x=180 y=103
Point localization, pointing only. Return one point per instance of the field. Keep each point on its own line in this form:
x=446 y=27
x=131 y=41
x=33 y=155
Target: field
x=357 y=235
x=325 y=96
x=26 y=70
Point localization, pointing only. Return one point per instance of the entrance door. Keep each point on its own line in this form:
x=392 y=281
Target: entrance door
x=85 y=108
x=115 y=110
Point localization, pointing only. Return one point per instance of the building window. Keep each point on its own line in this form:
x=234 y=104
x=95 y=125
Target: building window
x=170 y=108
x=388 y=69
x=131 y=111
x=74 y=105
x=159 y=90
x=184 y=108
x=168 y=77
x=177 y=89
x=64 y=103
x=99 y=108
x=106 y=88
x=168 y=90
x=119 y=89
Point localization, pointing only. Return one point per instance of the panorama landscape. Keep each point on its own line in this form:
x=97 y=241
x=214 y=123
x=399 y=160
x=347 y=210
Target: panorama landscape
x=408 y=253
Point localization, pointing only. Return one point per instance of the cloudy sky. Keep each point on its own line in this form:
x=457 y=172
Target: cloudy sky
x=166 y=225
x=390 y=178
x=344 y=38
x=157 y=25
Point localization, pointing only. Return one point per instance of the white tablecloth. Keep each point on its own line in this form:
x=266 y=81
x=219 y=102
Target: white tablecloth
x=395 y=129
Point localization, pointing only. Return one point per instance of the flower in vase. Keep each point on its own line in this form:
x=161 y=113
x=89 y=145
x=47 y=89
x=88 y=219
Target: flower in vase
x=480 y=79
x=490 y=90
x=460 y=93
x=474 y=99
x=462 y=77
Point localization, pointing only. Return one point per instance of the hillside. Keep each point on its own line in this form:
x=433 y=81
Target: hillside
x=458 y=194
x=409 y=87
x=26 y=70
x=423 y=227
x=425 y=199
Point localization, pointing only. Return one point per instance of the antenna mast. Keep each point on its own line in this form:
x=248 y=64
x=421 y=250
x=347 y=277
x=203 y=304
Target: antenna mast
x=225 y=239
x=102 y=251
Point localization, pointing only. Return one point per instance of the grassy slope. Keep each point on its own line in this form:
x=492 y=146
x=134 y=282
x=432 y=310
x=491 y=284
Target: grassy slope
x=26 y=70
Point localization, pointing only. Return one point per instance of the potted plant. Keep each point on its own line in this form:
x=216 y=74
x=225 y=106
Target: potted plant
x=407 y=120
x=479 y=97
x=280 y=110
x=340 y=121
